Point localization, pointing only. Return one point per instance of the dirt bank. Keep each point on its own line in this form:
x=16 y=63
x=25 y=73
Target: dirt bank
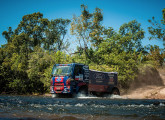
x=148 y=86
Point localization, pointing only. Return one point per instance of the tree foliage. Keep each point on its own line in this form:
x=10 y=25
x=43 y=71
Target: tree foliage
x=156 y=55
x=88 y=29
x=132 y=34
x=29 y=52
x=157 y=30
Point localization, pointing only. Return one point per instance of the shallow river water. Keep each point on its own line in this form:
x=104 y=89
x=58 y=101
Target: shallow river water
x=80 y=108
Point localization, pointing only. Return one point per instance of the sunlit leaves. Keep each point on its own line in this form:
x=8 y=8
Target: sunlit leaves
x=25 y=56
x=88 y=28
x=8 y=34
x=133 y=34
x=157 y=30
x=156 y=55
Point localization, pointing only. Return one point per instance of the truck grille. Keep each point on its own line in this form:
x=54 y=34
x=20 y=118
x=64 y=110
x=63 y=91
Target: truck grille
x=58 y=87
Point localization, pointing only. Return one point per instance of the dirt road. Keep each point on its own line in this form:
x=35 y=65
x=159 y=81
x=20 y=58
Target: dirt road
x=148 y=91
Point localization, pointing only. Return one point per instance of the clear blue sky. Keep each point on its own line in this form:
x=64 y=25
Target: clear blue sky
x=116 y=12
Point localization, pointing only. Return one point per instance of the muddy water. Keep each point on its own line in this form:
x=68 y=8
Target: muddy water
x=39 y=108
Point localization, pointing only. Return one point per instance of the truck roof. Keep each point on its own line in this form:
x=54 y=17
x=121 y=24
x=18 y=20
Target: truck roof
x=83 y=64
x=69 y=64
x=104 y=72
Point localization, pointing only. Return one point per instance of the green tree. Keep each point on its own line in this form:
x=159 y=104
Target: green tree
x=88 y=29
x=156 y=56
x=112 y=57
x=157 y=30
x=121 y=52
x=8 y=34
x=97 y=28
x=55 y=35
x=33 y=25
x=41 y=32
x=109 y=32
x=24 y=60
x=132 y=34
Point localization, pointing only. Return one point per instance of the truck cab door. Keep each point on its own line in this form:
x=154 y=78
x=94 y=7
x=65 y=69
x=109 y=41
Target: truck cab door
x=78 y=73
x=81 y=73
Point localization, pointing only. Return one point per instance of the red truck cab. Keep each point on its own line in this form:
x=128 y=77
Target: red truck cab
x=69 y=78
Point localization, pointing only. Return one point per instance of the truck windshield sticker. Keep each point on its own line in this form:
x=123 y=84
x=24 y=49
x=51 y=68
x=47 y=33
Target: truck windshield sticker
x=58 y=79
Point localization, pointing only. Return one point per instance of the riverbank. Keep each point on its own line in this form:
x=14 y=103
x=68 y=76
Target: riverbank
x=148 y=91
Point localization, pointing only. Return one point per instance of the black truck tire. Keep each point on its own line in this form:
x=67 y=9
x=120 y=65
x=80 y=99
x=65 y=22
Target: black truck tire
x=83 y=91
x=115 y=91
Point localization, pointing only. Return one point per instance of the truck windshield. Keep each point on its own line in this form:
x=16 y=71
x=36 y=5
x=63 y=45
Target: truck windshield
x=61 y=70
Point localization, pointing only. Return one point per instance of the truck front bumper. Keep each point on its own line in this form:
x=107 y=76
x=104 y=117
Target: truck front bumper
x=65 y=90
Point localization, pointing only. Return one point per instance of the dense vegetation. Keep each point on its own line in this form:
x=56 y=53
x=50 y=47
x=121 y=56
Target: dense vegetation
x=38 y=43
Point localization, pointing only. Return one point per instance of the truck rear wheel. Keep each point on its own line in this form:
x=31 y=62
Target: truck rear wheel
x=115 y=91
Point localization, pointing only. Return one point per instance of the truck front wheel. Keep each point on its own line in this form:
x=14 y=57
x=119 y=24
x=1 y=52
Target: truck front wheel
x=83 y=91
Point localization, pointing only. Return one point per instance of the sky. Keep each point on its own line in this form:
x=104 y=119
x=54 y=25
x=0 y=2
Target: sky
x=115 y=12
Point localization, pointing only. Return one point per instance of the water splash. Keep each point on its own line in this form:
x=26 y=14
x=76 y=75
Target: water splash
x=54 y=95
x=115 y=97
x=82 y=96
